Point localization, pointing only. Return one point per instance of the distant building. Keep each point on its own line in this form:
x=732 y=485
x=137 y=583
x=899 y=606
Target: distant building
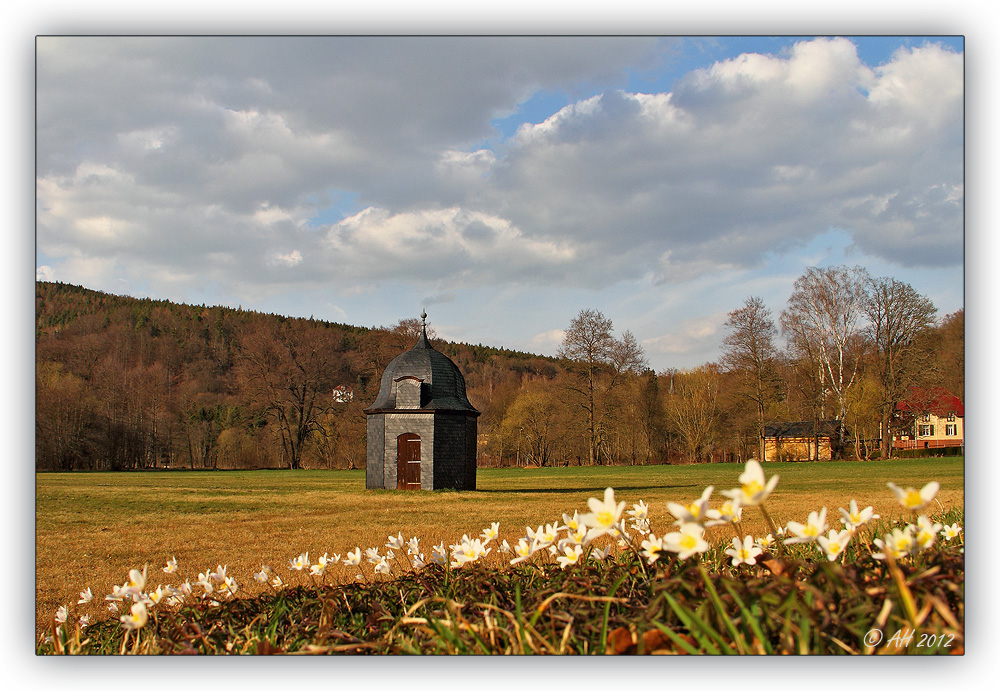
x=932 y=418
x=342 y=394
x=421 y=426
x=811 y=440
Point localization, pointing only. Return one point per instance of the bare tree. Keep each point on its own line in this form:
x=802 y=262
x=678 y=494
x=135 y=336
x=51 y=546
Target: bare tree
x=897 y=316
x=590 y=343
x=822 y=317
x=693 y=409
x=289 y=376
x=749 y=353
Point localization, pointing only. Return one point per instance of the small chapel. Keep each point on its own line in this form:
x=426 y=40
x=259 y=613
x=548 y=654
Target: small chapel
x=421 y=427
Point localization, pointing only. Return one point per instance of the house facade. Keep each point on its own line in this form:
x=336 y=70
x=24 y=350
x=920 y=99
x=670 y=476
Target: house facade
x=933 y=419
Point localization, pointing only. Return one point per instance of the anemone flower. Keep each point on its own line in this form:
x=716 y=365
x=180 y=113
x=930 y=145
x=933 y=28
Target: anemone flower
x=754 y=487
x=852 y=518
x=834 y=544
x=695 y=512
x=85 y=597
x=603 y=515
x=814 y=526
x=689 y=540
x=171 y=566
x=570 y=555
x=652 y=547
x=137 y=618
x=744 y=551
x=913 y=500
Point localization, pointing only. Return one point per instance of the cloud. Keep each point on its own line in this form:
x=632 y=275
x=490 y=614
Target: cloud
x=178 y=164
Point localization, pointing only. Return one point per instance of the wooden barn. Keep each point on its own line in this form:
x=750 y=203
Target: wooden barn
x=811 y=440
x=421 y=426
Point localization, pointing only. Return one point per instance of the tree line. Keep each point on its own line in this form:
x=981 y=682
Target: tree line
x=125 y=383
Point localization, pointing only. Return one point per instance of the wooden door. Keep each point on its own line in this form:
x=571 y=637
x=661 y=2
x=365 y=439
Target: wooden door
x=408 y=461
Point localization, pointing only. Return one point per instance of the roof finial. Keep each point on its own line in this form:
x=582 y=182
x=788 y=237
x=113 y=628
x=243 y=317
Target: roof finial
x=423 y=316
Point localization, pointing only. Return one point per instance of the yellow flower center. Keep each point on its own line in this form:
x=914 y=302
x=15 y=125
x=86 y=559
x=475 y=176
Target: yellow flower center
x=912 y=499
x=605 y=518
x=752 y=488
x=834 y=547
x=694 y=509
x=811 y=531
x=688 y=542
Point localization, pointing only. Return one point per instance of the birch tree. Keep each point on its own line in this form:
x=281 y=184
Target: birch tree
x=822 y=318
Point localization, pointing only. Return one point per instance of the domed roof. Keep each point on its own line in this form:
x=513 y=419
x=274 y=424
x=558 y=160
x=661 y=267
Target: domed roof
x=442 y=384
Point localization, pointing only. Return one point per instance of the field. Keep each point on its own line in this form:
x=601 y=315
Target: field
x=91 y=528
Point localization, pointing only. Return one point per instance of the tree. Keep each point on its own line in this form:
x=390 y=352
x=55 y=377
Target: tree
x=290 y=376
x=749 y=352
x=822 y=321
x=897 y=317
x=588 y=343
x=693 y=409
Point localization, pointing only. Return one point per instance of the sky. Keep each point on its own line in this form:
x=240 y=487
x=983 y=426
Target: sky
x=501 y=183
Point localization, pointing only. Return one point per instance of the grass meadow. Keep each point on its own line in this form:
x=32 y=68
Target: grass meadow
x=91 y=528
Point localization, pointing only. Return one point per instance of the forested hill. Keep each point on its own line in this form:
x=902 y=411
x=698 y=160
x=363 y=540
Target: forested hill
x=126 y=383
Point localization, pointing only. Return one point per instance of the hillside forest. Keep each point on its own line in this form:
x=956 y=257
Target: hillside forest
x=125 y=384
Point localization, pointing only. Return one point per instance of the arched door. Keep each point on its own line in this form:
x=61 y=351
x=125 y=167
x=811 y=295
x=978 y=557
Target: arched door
x=408 y=461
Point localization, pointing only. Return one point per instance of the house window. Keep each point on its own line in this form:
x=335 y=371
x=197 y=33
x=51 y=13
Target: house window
x=926 y=417
x=925 y=430
x=951 y=417
x=950 y=430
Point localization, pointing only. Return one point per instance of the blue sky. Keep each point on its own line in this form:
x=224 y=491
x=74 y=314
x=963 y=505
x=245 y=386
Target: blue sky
x=502 y=183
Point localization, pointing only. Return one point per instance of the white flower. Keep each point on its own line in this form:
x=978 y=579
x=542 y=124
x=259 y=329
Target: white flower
x=523 y=550
x=62 y=614
x=652 y=546
x=913 y=500
x=85 y=597
x=137 y=619
x=745 y=552
x=277 y=582
x=219 y=575
x=571 y=522
x=395 y=542
x=490 y=533
x=299 y=563
x=834 y=544
x=505 y=547
x=603 y=515
x=598 y=554
x=158 y=595
x=765 y=542
x=373 y=556
x=687 y=541
x=418 y=561
x=900 y=542
x=439 y=555
x=570 y=555
x=729 y=512
x=951 y=531
x=84 y=621
x=136 y=582
x=695 y=512
x=382 y=566
x=413 y=546
x=813 y=528
x=854 y=519
x=353 y=558
x=639 y=512
x=926 y=532
x=754 y=489
x=171 y=566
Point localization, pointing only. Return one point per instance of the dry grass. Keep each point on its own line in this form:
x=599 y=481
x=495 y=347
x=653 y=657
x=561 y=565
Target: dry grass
x=91 y=528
